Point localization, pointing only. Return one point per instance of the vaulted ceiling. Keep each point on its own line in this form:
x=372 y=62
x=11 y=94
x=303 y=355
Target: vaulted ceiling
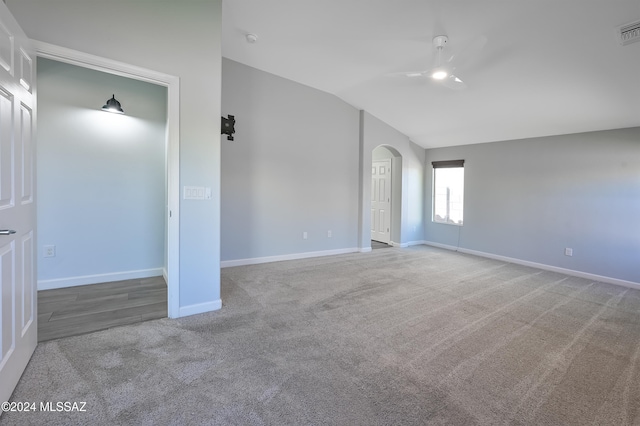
x=548 y=67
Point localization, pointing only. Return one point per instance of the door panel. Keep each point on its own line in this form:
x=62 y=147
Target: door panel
x=28 y=155
x=18 y=295
x=27 y=284
x=6 y=48
x=374 y=191
x=7 y=275
x=6 y=149
x=381 y=201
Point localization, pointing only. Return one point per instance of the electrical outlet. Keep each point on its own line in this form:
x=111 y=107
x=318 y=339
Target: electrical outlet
x=329 y=234
x=304 y=235
x=568 y=251
x=49 y=251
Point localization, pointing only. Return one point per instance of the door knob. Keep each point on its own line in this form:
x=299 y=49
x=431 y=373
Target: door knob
x=7 y=231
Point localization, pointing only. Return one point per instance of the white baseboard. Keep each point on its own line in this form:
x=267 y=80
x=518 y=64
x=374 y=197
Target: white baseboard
x=407 y=244
x=543 y=266
x=294 y=256
x=442 y=246
x=200 y=308
x=98 y=278
x=365 y=250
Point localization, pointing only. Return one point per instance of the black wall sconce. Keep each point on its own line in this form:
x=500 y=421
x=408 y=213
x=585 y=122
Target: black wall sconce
x=227 y=126
x=113 y=105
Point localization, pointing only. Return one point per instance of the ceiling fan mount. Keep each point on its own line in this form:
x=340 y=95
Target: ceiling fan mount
x=440 y=41
x=442 y=73
x=439 y=72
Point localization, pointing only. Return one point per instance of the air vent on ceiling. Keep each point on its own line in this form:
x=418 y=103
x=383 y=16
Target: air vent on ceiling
x=628 y=33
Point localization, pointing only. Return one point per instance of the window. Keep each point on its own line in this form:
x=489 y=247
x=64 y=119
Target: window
x=448 y=191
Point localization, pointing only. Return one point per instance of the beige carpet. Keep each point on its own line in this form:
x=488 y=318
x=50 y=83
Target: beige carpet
x=392 y=337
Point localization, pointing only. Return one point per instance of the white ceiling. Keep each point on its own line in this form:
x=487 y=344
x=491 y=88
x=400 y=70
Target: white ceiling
x=549 y=66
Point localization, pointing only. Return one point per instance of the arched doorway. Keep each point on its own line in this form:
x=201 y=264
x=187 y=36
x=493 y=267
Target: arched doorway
x=407 y=187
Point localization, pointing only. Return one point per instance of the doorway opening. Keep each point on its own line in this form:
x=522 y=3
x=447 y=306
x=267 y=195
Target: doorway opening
x=102 y=196
x=169 y=139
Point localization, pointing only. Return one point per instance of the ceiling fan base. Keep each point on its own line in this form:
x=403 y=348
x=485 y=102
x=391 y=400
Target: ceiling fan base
x=440 y=41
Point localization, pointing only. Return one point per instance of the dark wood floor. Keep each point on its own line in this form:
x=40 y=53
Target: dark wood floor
x=378 y=245
x=84 y=309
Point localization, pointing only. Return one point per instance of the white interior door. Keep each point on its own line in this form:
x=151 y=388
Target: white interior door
x=18 y=316
x=381 y=201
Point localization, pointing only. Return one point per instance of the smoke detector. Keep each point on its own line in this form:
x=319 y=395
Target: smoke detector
x=251 y=38
x=629 y=33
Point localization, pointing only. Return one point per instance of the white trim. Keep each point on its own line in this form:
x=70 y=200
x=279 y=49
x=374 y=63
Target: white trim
x=442 y=246
x=98 y=63
x=589 y=276
x=294 y=256
x=98 y=278
x=172 y=83
x=407 y=244
x=200 y=308
x=173 y=196
x=365 y=250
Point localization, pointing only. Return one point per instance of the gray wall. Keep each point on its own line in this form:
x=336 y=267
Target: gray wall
x=292 y=168
x=530 y=199
x=101 y=176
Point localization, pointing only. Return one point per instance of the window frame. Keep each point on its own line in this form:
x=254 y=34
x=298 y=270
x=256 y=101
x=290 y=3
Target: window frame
x=447 y=164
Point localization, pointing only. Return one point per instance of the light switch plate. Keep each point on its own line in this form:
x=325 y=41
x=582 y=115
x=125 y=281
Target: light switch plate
x=193 y=193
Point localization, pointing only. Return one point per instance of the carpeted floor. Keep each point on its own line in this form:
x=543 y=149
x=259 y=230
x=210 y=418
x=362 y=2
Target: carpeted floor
x=393 y=337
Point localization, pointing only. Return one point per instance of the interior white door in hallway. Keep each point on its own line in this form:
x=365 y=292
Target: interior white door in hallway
x=18 y=316
x=381 y=201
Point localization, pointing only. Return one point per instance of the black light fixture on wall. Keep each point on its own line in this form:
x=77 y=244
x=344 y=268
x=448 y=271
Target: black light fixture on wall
x=113 y=105
x=227 y=126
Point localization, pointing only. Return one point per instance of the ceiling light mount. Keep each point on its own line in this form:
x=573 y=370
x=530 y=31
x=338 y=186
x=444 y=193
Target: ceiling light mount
x=251 y=38
x=440 y=41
